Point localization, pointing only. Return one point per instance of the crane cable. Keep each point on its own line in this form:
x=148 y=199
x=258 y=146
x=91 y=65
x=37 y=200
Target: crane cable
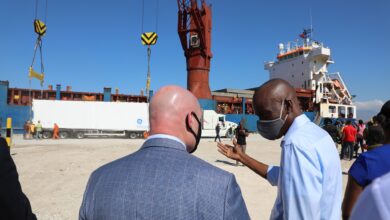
x=148 y=39
x=142 y=16
x=40 y=30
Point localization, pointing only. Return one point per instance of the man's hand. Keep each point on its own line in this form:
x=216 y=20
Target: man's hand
x=229 y=151
x=236 y=153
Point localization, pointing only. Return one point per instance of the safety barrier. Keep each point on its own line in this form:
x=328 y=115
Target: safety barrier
x=8 y=136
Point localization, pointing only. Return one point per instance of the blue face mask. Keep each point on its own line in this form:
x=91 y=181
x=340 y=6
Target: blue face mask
x=270 y=129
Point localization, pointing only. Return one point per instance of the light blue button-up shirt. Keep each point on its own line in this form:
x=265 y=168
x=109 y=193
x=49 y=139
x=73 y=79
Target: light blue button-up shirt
x=309 y=176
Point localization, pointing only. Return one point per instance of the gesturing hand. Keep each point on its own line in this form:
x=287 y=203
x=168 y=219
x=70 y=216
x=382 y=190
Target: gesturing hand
x=230 y=151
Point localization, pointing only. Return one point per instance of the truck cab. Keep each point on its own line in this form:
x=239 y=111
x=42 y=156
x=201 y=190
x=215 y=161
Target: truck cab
x=210 y=121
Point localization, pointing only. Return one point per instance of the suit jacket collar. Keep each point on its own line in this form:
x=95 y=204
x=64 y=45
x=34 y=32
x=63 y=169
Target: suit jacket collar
x=164 y=142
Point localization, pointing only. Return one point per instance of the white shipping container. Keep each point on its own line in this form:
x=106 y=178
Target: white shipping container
x=91 y=115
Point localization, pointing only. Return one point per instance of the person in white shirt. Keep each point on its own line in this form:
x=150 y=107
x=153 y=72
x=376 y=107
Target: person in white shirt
x=374 y=202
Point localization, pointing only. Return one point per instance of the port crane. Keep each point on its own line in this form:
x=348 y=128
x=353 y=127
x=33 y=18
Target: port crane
x=194 y=29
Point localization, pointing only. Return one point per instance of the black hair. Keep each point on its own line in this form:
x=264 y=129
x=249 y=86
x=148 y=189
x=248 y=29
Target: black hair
x=383 y=116
x=348 y=122
x=361 y=121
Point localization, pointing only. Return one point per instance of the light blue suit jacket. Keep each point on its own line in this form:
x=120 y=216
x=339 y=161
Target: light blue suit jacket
x=162 y=181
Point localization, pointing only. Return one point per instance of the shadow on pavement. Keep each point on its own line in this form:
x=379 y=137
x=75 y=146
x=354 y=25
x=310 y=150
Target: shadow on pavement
x=226 y=162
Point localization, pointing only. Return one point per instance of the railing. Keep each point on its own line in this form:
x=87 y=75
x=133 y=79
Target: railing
x=294 y=45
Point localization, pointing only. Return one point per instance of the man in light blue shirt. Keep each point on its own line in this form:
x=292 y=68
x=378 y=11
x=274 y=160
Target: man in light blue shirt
x=309 y=175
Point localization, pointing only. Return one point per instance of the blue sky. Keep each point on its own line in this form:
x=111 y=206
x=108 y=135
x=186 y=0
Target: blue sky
x=91 y=44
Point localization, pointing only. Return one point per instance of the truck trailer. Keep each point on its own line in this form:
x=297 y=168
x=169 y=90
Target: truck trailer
x=80 y=119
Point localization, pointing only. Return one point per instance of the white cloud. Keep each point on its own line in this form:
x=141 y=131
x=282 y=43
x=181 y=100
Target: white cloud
x=371 y=105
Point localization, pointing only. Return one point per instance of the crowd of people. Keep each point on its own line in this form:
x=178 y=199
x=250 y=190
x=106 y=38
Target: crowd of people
x=32 y=130
x=35 y=131
x=163 y=180
x=354 y=135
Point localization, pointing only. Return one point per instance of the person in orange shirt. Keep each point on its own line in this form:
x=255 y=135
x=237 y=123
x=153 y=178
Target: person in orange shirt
x=56 y=131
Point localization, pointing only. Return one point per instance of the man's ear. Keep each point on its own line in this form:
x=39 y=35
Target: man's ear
x=189 y=120
x=289 y=106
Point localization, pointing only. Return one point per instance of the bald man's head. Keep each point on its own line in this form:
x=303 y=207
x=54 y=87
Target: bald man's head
x=276 y=100
x=174 y=111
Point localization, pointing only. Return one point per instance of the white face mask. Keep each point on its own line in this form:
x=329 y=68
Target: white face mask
x=270 y=129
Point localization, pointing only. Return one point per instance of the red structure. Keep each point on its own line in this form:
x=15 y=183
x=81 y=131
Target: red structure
x=194 y=28
x=19 y=96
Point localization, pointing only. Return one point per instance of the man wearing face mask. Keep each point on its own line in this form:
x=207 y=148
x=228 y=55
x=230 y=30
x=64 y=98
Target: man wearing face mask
x=162 y=180
x=309 y=175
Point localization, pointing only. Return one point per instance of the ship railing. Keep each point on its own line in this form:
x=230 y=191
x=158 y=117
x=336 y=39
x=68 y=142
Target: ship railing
x=293 y=45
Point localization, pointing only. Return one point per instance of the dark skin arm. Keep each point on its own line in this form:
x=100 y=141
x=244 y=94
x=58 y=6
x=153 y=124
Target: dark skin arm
x=352 y=193
x=236 y=153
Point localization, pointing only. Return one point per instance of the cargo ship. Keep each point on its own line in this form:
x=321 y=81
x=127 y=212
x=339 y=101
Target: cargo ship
x=304 y=64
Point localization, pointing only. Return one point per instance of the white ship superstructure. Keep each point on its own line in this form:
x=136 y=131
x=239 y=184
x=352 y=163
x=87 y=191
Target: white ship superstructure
x=305 y=66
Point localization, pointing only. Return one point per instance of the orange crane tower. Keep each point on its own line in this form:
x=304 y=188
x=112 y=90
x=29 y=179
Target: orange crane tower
x=194 y=29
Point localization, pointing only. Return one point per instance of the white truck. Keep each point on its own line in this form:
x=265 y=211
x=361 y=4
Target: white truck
x=210 y=121
x=79 y=119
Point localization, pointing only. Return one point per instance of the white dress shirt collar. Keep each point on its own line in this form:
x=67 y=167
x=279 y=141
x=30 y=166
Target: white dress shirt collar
x=166 y=136
x=297 y=123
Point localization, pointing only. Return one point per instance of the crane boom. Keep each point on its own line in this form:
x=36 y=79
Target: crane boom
x=194 y=29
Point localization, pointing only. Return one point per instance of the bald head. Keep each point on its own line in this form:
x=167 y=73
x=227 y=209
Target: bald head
x=169 y=109
x=272 y=92
x=268 y=100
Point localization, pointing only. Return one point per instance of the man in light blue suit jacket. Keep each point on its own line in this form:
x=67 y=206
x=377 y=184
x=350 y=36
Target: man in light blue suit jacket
x=162 y=180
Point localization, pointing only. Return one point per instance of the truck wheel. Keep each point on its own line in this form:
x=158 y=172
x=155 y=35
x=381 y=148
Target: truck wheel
x=47 y=135
x=64 y=135
x=80 y=135
x=133 y=135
